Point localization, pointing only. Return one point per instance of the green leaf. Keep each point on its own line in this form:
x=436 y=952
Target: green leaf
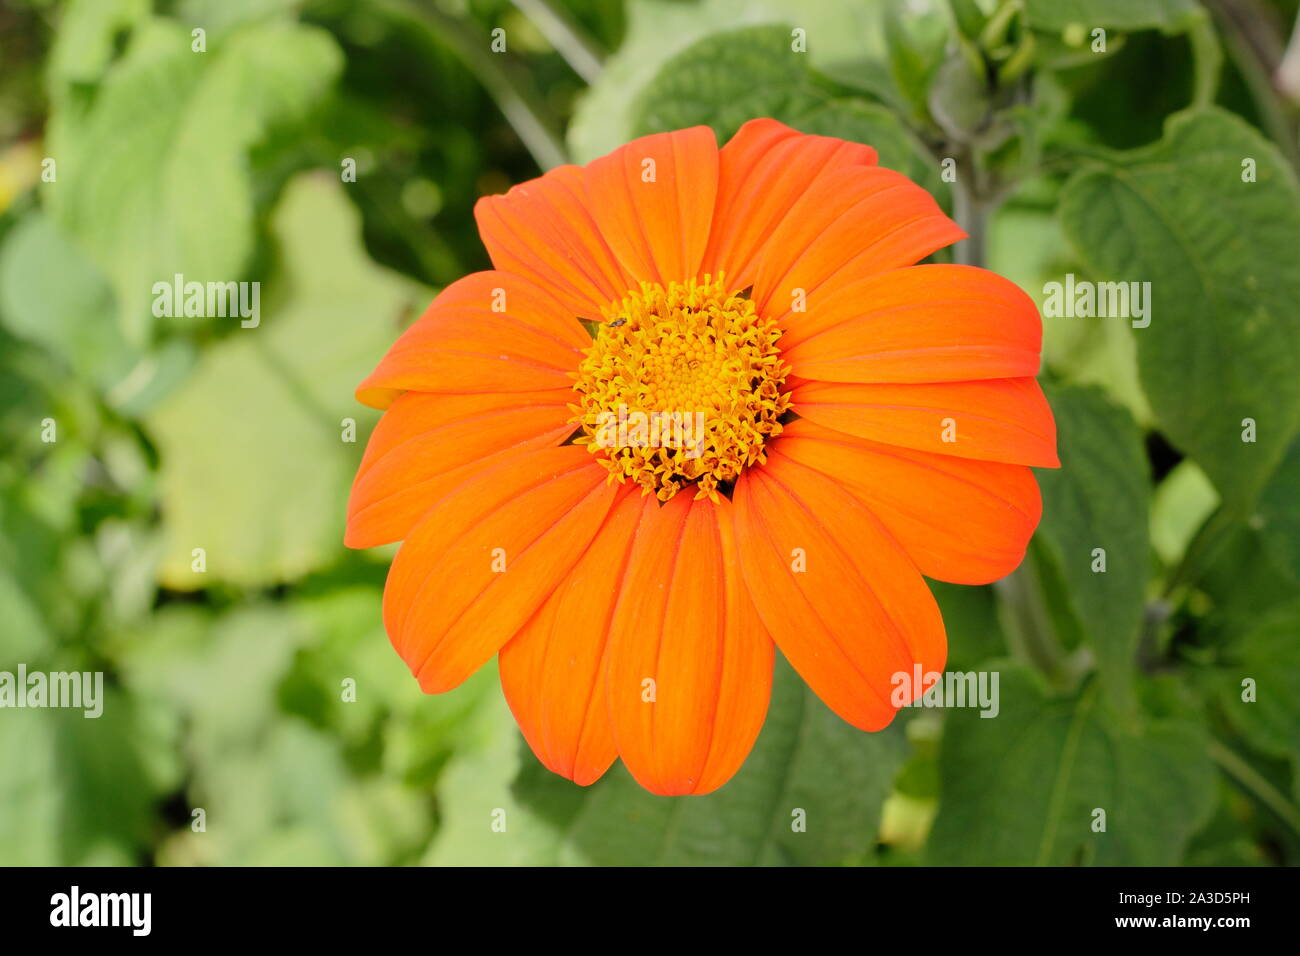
x=915 y=47
x=255 y=470
x=971 y=621
x=728 y=78
x=417 y=732
x=34 y=598
x=217 y=16
x=219 y=672
x=1099 y=499
x=1168 y=15
x=1277 y=519
x=153 y=178
x=844 y=40
x=1269 y=656
x=1226 y=840
x=1242 y=580
x=29 y=789
x=1023 y=788
x=84 y=41
x=77 y=790
x=805 y=759
x=1224 y=336
x=968 y=18
x=51 y=295
x=26 y=636
x=104 y=776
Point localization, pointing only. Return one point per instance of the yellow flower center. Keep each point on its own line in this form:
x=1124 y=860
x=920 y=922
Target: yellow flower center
x=681 y=385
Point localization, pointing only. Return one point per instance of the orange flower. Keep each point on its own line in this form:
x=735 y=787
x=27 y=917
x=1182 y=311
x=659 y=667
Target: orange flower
x=866 y=421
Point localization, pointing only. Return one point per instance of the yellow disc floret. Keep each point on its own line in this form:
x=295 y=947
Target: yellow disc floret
x=681 y=385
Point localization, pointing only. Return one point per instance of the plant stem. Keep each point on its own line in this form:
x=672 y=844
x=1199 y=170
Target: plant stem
x=569 y=41
x=1029 y=628
x=972 y=214
x=1246 y=35
x=1254 y=783
x=1029 y=625
x=505 y=84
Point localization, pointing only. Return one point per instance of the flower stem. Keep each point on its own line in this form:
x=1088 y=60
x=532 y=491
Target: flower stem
x=972 y=214
x=1028 y=623
x=1030 y=632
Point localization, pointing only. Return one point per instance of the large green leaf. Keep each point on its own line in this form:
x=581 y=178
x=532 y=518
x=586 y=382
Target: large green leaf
x=83 y=45
x=1120 y=14
x=805 y=759
x=50 y=294
x=153 y=176
x=1223 y=342
x=78 y=790
x=111 y=770
x=1242 y=580
x=845 y=40
x=1023 y=788
x=29 y=789
x=724 y=80
x=255 y=469
x=1268 y=655
x=971 y=621
x=1278 y=516
x=29 y=559
x=728 y=78
x=1099 y=499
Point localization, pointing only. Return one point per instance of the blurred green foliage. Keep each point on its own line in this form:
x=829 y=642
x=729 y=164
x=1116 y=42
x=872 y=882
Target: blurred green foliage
x=227 y=685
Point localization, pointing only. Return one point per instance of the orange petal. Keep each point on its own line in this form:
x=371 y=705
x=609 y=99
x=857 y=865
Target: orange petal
x=484 y=558
x=690 y=669
x=542 y=229
x=764 y=169
x=932 y=323
x=427 y=443
x=959 y=520
x=553 y=671
x=487 y=332
x=653 y=200
x=840 y=597
x=999 y=419
x=854 y=221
